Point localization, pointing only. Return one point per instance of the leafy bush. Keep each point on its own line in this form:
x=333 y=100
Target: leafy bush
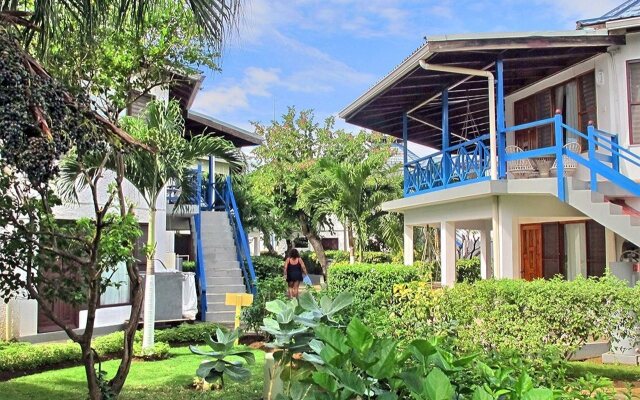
x=336 y=256
x=267 y=266
x=19 y=356
x=516 y=316
x=353 y=363
x=186 y=333
x=189 y=266
x=310 y=261
x=467 y=270
x=268 y=289
x=159 y=351
x=371 y=286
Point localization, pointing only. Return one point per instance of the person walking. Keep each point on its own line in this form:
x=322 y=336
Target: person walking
x=294 y=272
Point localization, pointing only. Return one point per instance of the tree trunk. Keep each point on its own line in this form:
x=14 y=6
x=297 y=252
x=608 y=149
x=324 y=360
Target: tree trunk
x=89 y=367
x=119 y=379
x=149 y=284
x=352 y=250
x=266 y=239
x=310 y=233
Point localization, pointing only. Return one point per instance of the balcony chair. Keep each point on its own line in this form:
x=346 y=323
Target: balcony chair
x=570 y=164
x=522 y=168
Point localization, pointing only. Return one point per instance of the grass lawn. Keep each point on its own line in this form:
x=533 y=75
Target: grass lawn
x=627 y=373
x=167 y=379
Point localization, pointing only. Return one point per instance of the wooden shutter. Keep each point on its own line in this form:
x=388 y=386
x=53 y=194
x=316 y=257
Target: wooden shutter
x=596 y=249
x=531 y=251
x=138 y=106
x=544 y=111
x=587 y=109
x=553 y=250
x=633 y=88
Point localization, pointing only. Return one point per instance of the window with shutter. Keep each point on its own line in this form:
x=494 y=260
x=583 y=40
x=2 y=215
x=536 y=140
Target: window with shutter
x=633 y=89
x=553 y=254
x=596 y=250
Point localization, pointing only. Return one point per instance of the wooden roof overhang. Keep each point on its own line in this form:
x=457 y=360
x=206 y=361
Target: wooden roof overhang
x=197 y=124
x=527 y=58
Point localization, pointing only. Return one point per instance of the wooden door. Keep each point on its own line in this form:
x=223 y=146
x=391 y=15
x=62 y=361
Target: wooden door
x=531 y=250
x=67 y=312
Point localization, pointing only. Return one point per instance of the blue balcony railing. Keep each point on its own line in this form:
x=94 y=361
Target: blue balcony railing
x=469 y=162
x=464 y=163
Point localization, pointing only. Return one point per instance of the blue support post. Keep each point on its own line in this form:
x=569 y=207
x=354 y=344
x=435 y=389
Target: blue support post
x=557 y=124
x=500 y=120
x=591 y=138
x=615 y=155
x=202 y=280
x=446 y=167
x=405 y=157
x=210 y=185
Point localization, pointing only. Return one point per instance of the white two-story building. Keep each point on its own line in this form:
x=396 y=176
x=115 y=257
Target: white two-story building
x=538 y=144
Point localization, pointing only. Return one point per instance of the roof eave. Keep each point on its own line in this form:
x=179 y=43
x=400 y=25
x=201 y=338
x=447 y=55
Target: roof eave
x=224 y=127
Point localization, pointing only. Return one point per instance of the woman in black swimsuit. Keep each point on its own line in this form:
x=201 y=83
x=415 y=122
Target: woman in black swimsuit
x=294 y=270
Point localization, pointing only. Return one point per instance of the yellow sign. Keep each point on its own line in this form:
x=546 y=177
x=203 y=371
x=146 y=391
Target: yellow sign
x=239 y=300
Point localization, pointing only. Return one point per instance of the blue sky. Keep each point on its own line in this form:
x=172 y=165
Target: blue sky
x=323 y=54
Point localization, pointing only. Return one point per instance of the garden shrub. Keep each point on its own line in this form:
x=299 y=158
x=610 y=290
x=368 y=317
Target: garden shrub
x=267 y=290
x=368 y=257
x=267 y=266
x=336 y=256
x=311 y=263
x=515 y=315
x=20 y=356
x=159 y=351
x=188 y=266
x=371 y=286
x=467 y=270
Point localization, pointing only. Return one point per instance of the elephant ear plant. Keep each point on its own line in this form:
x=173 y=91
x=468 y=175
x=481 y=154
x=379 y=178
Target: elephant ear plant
x=224 y=361
x=292 y=327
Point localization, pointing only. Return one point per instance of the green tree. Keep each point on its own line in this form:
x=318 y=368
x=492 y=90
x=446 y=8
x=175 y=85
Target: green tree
x=286 y=159
x=161 y=127
x=354 y=188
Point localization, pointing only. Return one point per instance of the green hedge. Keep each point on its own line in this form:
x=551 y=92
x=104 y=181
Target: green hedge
x=371 y=286
x=268 y=289
x=18 y=356
x=368 y=257
x=467 y=270
x=267 y=266
x=515 y=315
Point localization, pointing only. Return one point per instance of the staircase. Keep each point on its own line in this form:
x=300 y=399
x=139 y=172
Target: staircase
x=222 y=269
x=597 y=207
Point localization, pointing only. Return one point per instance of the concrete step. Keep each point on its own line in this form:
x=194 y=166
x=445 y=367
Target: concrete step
x=221 y=316
x=222 y=289
x=217 y=258
x=223 y=271
x=224 y=281
x=219 y=306
x=226 y=264
x=216 y=244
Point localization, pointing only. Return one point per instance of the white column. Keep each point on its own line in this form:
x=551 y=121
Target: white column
x=448 y=253
x=485 y=252
x=408 y=244
x=495 y=232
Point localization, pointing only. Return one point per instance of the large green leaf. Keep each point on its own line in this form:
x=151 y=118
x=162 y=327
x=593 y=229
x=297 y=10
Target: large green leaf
x=248 y=356
x=237 y=373
x=351 y=381
x=412 y=380
x=538 y=394
x=344 y=299
x=481 y=394
x=325 y=381
x=307 y=301
x=437 y=386
x=358 y=335
x=275 y=306
x=332 y=337
x=385 y=366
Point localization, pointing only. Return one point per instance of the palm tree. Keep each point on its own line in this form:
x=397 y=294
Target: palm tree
x=162 y=128
x=45 y=19
x=355 y=192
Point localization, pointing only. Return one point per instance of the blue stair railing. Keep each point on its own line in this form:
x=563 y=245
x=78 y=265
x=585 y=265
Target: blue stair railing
x=603 y=155
x=240 y=236
x=201 y=275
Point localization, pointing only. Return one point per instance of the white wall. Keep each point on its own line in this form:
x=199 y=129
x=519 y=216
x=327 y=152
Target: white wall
x=108 y=316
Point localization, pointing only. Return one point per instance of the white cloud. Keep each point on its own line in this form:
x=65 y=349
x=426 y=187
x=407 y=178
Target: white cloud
x=222 y=99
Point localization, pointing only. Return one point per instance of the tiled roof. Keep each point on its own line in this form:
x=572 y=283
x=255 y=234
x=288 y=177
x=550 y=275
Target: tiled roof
x=628 y=9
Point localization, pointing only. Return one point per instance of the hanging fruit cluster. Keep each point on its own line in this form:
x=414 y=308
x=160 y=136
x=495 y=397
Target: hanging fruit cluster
x=39 y=120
